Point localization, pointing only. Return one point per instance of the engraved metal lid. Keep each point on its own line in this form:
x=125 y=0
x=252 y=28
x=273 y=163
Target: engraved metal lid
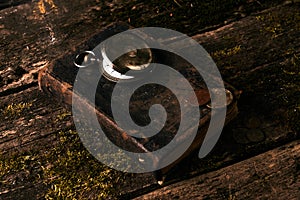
x=129 y=66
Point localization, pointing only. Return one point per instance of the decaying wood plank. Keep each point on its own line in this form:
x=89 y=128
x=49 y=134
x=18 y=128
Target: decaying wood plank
x=29 y=46
x=25 y=191
x=257 y=121
x=47 y=29
x=262 y=38
x=10 y=3
x=271 y=175
x=30 y=121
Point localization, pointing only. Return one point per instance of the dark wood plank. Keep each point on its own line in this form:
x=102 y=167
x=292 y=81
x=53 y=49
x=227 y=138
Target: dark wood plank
x=23 y=51
x=271 y=175
x=48 y=29
x=28 y=123
x=10 y=3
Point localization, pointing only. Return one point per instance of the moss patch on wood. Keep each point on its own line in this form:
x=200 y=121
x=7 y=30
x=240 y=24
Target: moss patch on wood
x=15 y=110
x=68 y=171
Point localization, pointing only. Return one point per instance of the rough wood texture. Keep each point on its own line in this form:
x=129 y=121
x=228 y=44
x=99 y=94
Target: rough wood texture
x=271 y=175
x=258 y=54
x=34 y=126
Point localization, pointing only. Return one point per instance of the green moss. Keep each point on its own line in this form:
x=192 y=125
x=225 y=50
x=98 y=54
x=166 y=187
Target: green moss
x=275 y=24
x=73 y=173
x=63 y=116
x=14 y=110
x=227 y=52
x=68 y=170
x=15 y=163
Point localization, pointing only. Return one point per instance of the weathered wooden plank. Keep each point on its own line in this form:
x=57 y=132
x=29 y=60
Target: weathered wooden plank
x=30 y=120
x=47 y=29
x=10 y=3
x=271 y=175
x=237 y=142
x=25 y=191
x=254 y=42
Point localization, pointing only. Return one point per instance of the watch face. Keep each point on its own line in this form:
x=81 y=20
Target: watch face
x=135 y=59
